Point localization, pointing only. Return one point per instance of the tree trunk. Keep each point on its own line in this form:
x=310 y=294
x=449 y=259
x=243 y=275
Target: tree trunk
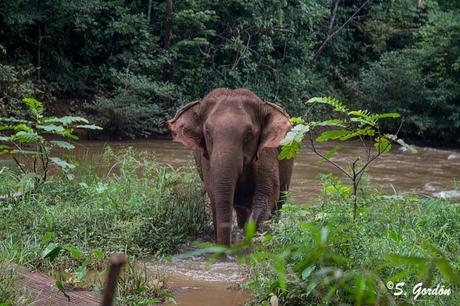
x=39 y=49
x=168 y=25
x=149 y=12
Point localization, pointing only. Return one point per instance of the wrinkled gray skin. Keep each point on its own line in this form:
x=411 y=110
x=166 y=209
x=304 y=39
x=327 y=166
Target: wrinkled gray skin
x=235 y=137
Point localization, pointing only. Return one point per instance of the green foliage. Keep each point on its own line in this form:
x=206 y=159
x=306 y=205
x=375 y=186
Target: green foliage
x=421 y=81
x=67 y=227
x=113 y=59
x=29 y=140
x=329 y=259
x=9 y=293
x=124 y=210
x=359 y=125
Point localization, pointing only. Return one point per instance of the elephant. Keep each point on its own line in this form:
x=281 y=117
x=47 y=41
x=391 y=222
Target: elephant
x=236 y=138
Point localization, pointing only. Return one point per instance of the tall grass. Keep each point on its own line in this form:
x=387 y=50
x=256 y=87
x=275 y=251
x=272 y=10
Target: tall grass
x=128 y=203
x=136 y=206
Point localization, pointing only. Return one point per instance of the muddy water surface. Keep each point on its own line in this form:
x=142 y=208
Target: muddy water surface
x=430 y=171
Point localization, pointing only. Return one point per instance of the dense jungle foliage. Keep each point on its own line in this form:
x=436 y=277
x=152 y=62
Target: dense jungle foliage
x=131 y=63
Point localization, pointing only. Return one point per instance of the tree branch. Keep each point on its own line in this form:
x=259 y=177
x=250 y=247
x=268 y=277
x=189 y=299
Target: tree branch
x=329 y=36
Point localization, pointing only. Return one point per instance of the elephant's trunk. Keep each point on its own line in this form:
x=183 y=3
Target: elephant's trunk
x=226 y=166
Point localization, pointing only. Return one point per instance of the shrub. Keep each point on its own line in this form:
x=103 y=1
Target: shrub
x=320 y=255
x=139 y=207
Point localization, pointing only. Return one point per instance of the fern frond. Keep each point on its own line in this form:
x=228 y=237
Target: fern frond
x=338 y=106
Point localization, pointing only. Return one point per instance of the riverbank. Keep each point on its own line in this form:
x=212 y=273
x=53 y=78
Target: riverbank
x=132 y=204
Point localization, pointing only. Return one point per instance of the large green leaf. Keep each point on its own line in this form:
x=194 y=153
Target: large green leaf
x=23 y=137
x=333 y=134
x=51 y=251
x=296 y=134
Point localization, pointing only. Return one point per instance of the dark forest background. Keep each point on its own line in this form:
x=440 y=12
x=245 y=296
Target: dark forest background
x=129 y=64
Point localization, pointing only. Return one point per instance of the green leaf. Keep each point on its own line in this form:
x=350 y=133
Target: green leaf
x=66 y=120
x=89 y=127
x=296 y=134
x=13 y=120
x=385 y=115
x=297 y=120
x=307 y=272
x=82 y=270
x=330 y=122
x=99 y=254
x=35 y=106
x=63 y=144
x=398 y=260
x=48 y=236
x=23 y=137
x=289 y=151
x=61 y=288
x=51 y=128
x=338 y=106
x=51 y=251
x=26 y=152
x=62 y=163
x=447 y=271
x=333 y=134
x=382 y=144
x=250 y=230
x=23 y=127
x=75 y=252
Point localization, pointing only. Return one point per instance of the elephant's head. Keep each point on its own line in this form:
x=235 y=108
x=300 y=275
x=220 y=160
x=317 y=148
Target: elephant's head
x=229 y=128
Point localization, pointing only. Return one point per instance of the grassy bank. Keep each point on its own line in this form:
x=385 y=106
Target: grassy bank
x=320 y=255
x=310 y=255
x=129 y=204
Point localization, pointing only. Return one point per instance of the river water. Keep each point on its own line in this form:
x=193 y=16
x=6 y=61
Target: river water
x=430 y=171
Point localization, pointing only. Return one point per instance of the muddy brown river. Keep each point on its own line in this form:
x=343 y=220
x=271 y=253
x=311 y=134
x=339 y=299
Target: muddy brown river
x=431 y=172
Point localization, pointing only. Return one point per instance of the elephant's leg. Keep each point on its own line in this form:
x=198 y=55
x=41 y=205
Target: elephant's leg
x=285 y=173
x=267 y=188
x=243 y=211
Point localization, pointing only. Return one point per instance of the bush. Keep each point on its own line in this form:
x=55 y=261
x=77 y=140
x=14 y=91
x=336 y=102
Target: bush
x=320 y=255
x=139 y=207
x=138 y=108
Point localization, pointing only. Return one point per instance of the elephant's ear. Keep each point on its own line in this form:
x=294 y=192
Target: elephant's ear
x=186 y=126
x=276 y=126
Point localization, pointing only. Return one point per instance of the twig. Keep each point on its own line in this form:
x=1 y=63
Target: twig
x=327 y=159
x=329 y=37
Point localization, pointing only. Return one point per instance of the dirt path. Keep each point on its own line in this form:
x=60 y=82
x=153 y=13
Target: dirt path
x=42 y=288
